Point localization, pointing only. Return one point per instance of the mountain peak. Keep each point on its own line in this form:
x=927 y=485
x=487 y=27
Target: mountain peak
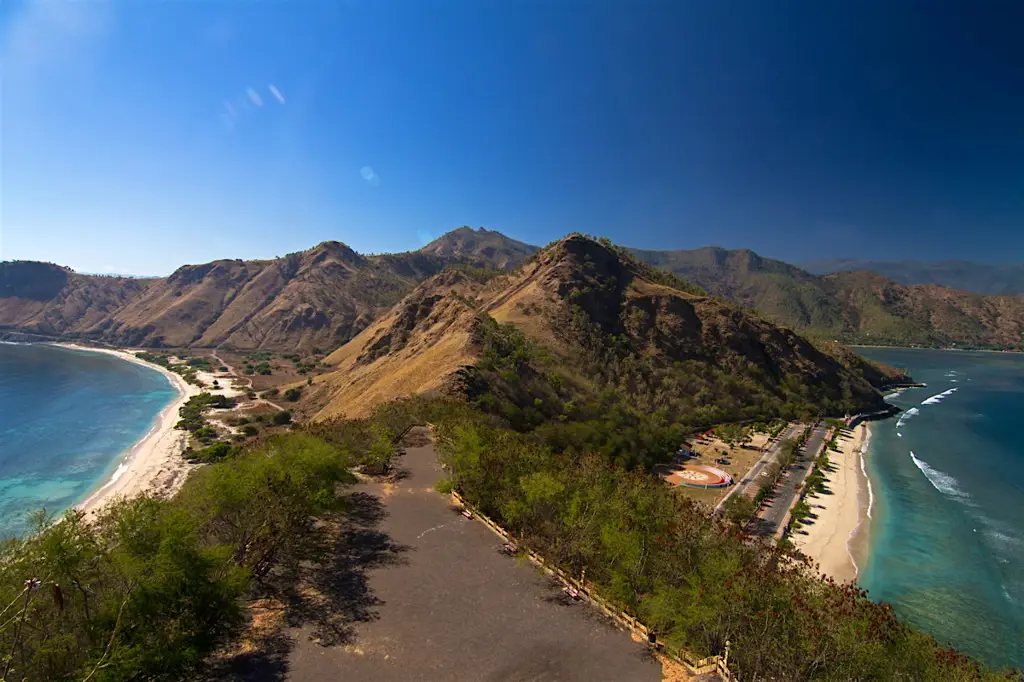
x=334 y=249
x=480 y=247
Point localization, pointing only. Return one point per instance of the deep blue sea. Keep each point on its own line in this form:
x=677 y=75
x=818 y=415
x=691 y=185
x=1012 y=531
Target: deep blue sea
x=66 y=419
x=947 y=530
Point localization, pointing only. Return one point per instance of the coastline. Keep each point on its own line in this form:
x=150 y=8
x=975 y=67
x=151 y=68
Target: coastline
x=840 y=533
x=154 y=464
x=959 y=350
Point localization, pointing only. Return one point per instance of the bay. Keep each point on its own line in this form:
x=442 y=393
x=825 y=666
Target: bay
x=67 y=418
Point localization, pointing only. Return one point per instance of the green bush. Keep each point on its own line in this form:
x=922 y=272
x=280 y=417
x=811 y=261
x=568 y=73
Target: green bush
x=131 y=595
x=293 y=394
x=149 y=588
x=657 y=554
x=213 y=453
x=282 y=417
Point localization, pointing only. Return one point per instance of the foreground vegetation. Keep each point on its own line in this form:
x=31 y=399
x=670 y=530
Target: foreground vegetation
x=698 y=580
x=150 y=588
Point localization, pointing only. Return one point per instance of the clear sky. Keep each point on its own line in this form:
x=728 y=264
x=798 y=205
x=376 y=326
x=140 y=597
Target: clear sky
x=138 y=136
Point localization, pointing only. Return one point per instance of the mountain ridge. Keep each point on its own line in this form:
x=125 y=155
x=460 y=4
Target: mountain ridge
x=595 y=319
x=980 y=278
x=326 y=295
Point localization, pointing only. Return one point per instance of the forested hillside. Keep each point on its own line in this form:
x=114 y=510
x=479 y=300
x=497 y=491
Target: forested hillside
x=980 y=278
x=853 y=307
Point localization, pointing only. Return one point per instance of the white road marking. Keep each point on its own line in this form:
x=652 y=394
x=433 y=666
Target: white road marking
x=432 y=529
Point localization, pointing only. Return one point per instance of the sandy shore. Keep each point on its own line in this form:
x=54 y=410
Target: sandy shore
x=154 y=464
x=840 y=515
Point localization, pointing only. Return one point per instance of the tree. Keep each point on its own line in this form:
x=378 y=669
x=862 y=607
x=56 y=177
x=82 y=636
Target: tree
x=739 y=508
x=380 y=453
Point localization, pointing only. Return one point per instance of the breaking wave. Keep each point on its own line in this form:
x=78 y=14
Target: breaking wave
x=906 y=416
x=941 y=481
x=864 y=471
x=936 y=399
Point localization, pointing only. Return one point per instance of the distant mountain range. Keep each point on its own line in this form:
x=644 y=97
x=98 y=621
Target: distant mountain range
x=854 y=306
x=321 y=298
x=981 y=278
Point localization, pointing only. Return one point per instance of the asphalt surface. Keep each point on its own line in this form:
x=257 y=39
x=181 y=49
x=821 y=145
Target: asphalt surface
x=774 y=513
x=427 y=595
x=751 y=478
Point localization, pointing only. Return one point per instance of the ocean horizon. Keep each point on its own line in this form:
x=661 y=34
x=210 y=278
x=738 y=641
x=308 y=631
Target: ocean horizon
x=946 y=545
x=67 y=419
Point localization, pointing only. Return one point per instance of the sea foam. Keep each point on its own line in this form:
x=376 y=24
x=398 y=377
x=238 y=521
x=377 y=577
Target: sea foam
x=936 y=399
x=940 y=480
x=863 y=470
x=906 y=416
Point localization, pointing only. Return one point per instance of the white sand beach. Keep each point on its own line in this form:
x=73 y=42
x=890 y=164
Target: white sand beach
x=154 y=464
x=840 y=515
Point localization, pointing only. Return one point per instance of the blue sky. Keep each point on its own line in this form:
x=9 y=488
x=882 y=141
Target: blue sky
x=138 y=136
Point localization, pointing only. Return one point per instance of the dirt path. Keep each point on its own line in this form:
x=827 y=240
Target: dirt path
x=241 y=377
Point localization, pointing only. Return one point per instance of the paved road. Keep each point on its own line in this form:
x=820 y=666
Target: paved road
x=751 y=481
x=774 y=513
x=430 y=597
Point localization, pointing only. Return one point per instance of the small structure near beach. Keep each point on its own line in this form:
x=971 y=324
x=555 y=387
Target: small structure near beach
x=698 y=476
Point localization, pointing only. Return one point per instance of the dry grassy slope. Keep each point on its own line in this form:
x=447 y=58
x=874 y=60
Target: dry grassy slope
x=414 y=348
x=315 y=298
x=45 y=299
x=661 y=320
x=429 y=336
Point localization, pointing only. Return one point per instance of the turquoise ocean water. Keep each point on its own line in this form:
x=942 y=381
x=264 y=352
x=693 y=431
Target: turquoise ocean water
x=66 y=419
x=947 y=529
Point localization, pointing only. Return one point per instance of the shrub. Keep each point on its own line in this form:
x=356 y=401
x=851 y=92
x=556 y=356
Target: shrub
x=293 y=394
x=213 y=453
x=282 y=417
x=133 y=593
